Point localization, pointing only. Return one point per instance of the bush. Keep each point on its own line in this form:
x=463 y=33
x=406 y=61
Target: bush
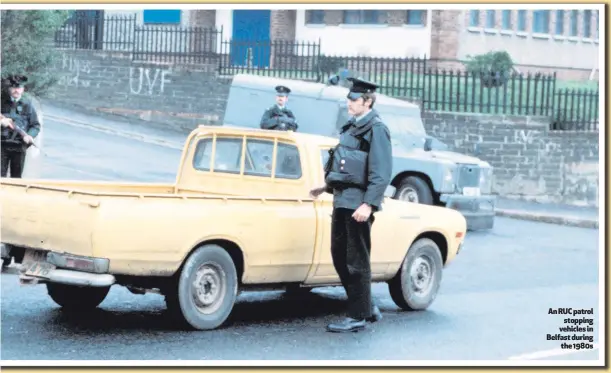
x=494 y=68
x=26 y=47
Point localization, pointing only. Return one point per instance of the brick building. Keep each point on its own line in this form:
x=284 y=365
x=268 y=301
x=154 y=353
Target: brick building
x=536 y=39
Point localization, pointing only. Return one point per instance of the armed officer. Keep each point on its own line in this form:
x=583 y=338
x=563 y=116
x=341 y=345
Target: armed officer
x=17 y=113
x=279 y=117
x=357 y=174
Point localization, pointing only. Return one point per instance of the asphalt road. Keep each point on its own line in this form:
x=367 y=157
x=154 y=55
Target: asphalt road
x=493 y=303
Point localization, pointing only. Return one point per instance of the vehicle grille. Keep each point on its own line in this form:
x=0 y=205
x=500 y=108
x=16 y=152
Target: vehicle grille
x=468 y=176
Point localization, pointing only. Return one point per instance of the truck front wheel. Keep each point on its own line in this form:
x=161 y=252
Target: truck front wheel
x=414 y=189
x=73 y=297
x=206 y=289
x=417 y=282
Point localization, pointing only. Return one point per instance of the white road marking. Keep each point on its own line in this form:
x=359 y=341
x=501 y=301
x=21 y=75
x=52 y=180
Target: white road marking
x=550 y=353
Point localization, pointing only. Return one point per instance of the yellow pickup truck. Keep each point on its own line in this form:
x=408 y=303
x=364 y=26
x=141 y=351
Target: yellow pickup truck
x=239 y=217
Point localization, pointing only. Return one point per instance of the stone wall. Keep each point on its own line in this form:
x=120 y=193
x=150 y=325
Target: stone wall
x=529 y=160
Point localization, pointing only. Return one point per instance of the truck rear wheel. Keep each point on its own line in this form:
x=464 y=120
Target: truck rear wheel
x=73 y=297
x=417 y=282
x=206 y=289
x=414 y=189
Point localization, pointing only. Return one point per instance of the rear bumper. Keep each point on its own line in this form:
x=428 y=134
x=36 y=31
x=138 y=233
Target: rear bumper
x=479 y=211
x=93 y=271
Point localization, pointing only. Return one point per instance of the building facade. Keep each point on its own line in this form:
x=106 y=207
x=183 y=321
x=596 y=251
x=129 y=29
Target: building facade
x=535 y=39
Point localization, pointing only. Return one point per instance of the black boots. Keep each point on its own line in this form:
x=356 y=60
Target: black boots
x=352 y=325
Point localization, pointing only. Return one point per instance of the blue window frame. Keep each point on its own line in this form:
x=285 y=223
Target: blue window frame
x=541 y=21
x=315 y=17
x=559 y=22
x=587 y=23
x=361 y=17
x=490 y=19
x=521 y=20
x=574 y=23
x=506 y=19
x=415 y=17
x=162 y=16
x=474 y=18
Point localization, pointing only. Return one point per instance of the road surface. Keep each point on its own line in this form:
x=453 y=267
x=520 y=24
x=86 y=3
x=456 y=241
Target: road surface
x=493 y=303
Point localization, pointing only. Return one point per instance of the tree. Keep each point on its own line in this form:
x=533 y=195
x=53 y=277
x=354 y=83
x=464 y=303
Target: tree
x=25 y=45
x=494 y=68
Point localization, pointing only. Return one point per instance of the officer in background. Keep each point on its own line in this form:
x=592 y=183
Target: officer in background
x=370 y=160
x=17 y=113
x=279 y=117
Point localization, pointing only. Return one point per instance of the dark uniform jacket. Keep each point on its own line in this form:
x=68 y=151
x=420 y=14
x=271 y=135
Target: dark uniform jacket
x=276 y=118
x=379 y=164
x=24 y=116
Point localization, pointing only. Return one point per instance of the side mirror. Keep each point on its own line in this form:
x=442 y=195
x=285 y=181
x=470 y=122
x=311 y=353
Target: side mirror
x=428 y=144
x=390 y=191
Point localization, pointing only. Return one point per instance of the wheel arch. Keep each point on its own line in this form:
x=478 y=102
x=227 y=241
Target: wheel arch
x=396 y=181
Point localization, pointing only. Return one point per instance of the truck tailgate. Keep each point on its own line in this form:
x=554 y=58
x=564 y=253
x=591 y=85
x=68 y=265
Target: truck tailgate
x=47 y=219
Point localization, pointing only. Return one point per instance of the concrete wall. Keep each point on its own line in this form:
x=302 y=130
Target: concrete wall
x=529 y=160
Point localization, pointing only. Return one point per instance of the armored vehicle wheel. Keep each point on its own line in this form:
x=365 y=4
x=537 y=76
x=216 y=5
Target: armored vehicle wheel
x=77 y=297
x=414 y=189
x=206 y=289
x=417 y=282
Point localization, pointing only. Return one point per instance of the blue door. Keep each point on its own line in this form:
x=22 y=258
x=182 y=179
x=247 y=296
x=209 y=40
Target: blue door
x=250 y=39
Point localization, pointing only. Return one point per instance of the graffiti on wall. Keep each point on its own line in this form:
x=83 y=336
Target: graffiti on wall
x=145 y=81
x=74 y=72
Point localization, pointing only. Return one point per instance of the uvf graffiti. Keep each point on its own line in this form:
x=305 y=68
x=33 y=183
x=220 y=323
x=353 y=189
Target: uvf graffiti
x=145 y=81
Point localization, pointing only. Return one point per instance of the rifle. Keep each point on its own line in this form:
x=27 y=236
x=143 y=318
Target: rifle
x=24 y=134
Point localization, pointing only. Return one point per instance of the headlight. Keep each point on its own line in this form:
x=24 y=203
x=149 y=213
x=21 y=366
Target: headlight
x=448 y=181
x=485 y=180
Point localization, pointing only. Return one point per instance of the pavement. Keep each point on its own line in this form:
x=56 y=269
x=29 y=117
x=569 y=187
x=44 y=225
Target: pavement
x=493 y=303
x=172 y=136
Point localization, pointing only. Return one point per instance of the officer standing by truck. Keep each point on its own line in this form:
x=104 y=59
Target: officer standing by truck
x=357 y=174
x=17 y=113
x=279 y=117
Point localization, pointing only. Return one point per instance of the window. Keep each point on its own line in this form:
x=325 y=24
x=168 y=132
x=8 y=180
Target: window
x=315 y=17
x=356 y=17
x=259 y=155
x=474 y=18
x=415 y=17
x=574 y=22
x=162 y=16
x=506 y=19
x=490 y=19
x=587 y=23
x=288 y=163
x=559 y=22
x=257 y=160
x=227 y=158
x=521 y=20
x=541 y=21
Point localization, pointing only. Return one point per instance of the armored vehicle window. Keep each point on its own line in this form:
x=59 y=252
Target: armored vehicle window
x=227 y=157
x=288 y=163
x=259 y=155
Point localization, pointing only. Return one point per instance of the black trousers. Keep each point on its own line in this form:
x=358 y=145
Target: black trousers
x=13 y=159
x=350 y=250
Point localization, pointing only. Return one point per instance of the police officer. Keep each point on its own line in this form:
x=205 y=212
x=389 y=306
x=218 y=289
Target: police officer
x=279 y=117
x=354 y=205
x=17 y=113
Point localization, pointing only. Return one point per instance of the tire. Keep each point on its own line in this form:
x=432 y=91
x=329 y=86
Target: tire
x=78 y=298
x=414 y=189
x=217 y=277
x=425 y=254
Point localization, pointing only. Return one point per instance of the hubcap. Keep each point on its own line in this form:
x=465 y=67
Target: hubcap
x=409 y=194
x=208 y=288
x=421 y=274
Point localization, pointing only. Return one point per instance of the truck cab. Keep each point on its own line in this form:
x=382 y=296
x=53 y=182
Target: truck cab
x=424 y=170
